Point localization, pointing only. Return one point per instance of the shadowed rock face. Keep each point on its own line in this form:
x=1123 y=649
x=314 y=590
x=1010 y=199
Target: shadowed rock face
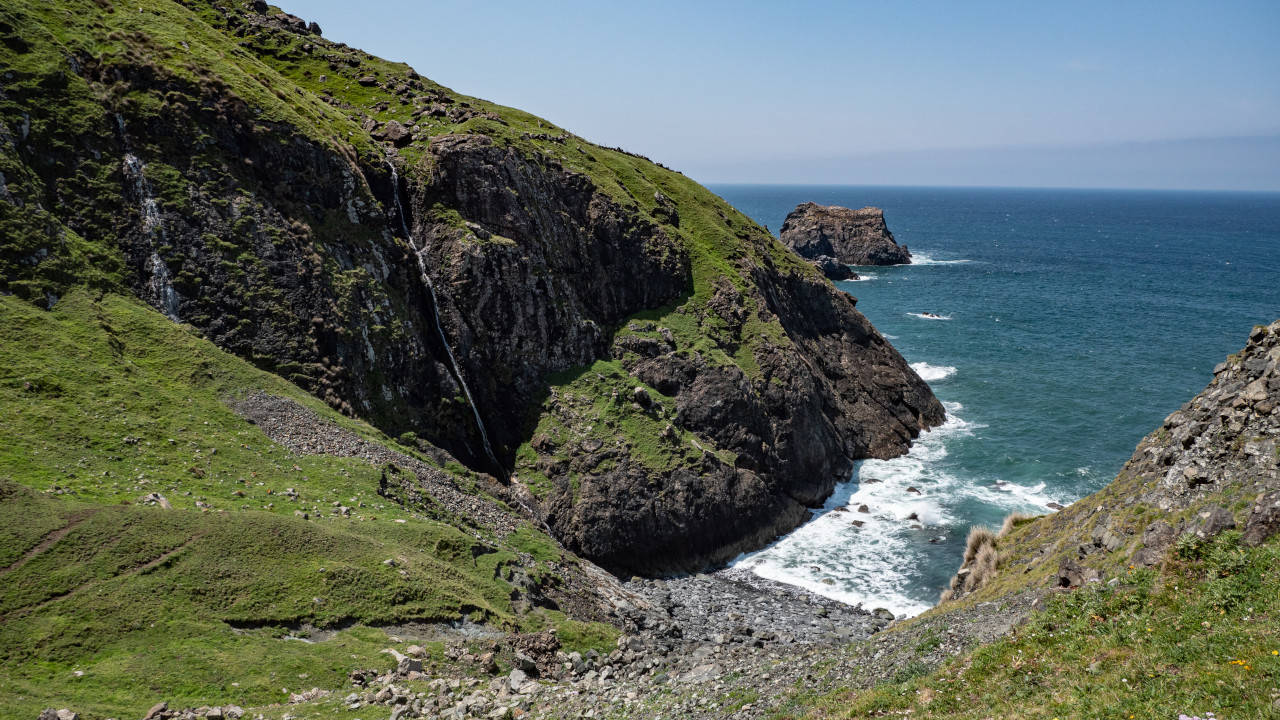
x=853 y=237
x=840 y=393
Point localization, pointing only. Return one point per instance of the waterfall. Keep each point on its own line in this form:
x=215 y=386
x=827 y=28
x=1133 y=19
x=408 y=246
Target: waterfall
x=160 y=285
x=435 y=312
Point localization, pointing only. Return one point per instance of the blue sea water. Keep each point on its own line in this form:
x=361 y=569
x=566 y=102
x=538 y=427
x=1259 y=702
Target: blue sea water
x=1073 y=322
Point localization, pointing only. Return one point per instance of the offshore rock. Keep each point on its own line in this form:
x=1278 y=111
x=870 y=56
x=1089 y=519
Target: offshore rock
x=834 y=269
x=853 y=237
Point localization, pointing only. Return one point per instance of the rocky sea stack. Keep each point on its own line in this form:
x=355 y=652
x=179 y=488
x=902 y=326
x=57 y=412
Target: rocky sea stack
x=829 y=235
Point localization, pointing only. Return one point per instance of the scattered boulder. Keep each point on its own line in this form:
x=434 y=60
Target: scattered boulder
x=641 y=397
x=1155 y=542
x=1214 y=520
x=1073 y=574
x=394 y=133
x=517 y=679
x=1264 y=519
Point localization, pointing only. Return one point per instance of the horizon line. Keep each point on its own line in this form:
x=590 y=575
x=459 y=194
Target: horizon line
x=961 y=186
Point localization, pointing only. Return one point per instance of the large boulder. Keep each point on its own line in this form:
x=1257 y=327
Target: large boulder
x=853 y=237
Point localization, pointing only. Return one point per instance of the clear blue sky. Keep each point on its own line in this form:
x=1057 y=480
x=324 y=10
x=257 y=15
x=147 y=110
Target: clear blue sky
x=1116 y=93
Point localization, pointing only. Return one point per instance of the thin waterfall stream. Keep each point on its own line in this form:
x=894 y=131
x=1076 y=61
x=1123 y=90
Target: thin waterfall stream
x=435 y=313
x=160 y=285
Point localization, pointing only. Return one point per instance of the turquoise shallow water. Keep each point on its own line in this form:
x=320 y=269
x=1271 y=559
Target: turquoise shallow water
x=1075 y=321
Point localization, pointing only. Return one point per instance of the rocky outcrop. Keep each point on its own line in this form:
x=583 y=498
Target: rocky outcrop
x=852 y=237
x=542 y=267
x=830 y=392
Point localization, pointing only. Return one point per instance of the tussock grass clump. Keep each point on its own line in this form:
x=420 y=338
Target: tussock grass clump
x=981 y=560
x=1013 y=520
x=979 y=537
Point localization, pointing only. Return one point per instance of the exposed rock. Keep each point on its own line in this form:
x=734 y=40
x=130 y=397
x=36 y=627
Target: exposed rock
x=852 y=237
x=833 y=269
x=1214 y=520
x=1264 y=519
x=394 y=133
x=793 y=435
x=1155 y=543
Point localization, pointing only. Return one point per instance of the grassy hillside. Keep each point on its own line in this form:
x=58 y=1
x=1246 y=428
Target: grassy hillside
x=109 y=604
x=1196 y=636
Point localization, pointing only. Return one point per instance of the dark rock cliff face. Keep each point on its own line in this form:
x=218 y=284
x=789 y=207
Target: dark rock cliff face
x=853 y=237
x=540 y=271
x=287 y=231
x=839 y=393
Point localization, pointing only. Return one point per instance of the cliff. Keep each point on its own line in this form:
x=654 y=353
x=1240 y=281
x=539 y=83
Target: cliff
x=464 y=276
x=852 y=237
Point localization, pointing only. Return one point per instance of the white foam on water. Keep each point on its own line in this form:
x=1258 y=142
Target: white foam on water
x=929 y=316
x=918 y=258
x=932 y=373
x=865 y=557
x=863 y=277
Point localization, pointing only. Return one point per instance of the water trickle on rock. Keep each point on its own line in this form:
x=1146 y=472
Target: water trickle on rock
x=398 y=208
x=160 y=291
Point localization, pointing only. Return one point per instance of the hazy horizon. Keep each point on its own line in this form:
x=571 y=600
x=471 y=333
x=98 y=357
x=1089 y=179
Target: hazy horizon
x=1151 y=95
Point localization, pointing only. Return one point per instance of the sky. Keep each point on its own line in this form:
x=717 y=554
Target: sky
x=1169 y=94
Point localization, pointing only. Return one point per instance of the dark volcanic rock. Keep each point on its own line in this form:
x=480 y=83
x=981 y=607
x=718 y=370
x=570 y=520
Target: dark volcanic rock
x=853 y=237
x=833 y=268
x=839 y=393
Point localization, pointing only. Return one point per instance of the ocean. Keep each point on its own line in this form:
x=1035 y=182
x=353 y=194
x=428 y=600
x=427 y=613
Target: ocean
x=1070 y=323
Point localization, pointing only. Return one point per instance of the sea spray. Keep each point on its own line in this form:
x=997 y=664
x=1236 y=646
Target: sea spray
x=932 y=373
x=398 y=208
x=864 y=545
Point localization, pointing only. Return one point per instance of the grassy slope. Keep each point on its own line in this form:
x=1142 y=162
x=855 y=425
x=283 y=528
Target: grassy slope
x=103 y=401
x=1196 y=636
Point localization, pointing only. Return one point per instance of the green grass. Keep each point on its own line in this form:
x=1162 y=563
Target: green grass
x=593 y=407
x=1194 y=637
x=103 y=401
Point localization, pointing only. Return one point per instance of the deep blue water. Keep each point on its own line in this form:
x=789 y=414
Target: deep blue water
x=1077 y=320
